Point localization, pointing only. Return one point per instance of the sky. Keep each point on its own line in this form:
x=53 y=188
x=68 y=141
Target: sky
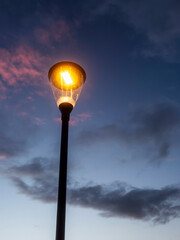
x=124 y=154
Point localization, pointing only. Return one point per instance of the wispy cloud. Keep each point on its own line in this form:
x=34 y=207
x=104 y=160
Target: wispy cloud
x=52 y=32
x=158 y=25
x=113 y=200
x=39 y=121
x=20 y=67
x=25 y=64
x=82 y=117
x=152 y=128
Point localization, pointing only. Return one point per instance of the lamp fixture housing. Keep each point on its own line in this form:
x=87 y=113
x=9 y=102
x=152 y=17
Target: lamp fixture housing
x=66 y=80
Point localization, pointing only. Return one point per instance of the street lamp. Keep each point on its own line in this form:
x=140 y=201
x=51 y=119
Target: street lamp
x=66 y=79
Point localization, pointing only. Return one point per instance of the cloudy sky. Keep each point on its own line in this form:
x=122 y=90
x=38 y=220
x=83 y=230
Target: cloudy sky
x=124 y=153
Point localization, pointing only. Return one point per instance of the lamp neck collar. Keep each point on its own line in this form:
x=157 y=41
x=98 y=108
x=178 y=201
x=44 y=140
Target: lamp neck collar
x=65 y=109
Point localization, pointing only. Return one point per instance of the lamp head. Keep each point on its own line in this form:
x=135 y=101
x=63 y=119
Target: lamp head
x=66 y=79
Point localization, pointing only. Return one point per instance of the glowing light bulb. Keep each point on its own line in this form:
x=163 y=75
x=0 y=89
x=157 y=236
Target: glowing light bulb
x=67 y=78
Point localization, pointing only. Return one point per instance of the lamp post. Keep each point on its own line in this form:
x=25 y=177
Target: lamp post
x=66 y=79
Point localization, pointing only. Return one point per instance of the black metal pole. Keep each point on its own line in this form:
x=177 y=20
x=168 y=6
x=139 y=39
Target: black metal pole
x=65 y=109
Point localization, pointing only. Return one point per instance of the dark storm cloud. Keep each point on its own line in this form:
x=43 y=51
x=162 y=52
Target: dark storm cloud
x=38 y=180
x=42 y=189
x=38 y=166
x=34 y=168
x=146 y=204
x=152 y=128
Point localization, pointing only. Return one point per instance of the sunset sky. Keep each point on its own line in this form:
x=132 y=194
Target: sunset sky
x=124 y=150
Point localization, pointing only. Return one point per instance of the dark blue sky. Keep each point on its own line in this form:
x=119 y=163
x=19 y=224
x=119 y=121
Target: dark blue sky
x=124 y=131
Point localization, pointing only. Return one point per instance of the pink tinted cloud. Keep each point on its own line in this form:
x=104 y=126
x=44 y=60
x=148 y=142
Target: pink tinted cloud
x=25 y=66
x=22 y=114
x=3 y=157
x=30 y=98
x=35 y=120
x=52 y=32
x=75 y=120
x=20 y=67
x=57 y=120
x=39 y=121
x=82 y=117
